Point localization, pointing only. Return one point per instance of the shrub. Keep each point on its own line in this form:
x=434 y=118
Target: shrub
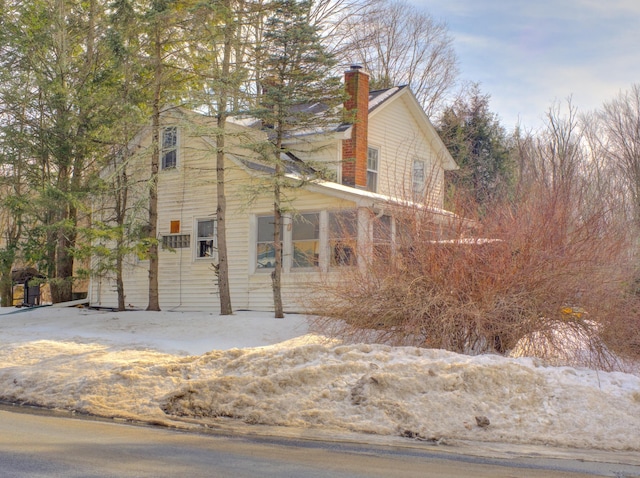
x=526 y=269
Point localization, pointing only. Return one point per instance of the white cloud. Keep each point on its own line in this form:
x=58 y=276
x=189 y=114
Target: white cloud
x=532 y=53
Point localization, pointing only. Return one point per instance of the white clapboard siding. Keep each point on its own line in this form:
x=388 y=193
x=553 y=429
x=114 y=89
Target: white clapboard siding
x=188 y=193
x=259 y=292
x=397 y=133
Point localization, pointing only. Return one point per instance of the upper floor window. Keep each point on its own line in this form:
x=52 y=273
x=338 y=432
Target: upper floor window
x=206 y=240
x=169 y=151
x=418 y=177
x=305 y=236
x=373 y=157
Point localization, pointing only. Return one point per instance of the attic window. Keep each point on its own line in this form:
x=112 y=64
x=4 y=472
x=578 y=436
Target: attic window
x=169 y=152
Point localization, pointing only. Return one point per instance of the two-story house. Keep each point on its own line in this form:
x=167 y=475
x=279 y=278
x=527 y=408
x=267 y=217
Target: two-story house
x=389 y=153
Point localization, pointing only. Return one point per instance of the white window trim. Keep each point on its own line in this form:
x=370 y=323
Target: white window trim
x=162 y=149
x=196 y=242
x=324 y=260
x=421 y=190
x=365 y=218
x=376 y=171
x=253 y=243
x=308 y=268
x=287 y=244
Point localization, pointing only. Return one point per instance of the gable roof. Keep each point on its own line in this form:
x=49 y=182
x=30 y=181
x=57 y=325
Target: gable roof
x=376 y=99
x=381 y=99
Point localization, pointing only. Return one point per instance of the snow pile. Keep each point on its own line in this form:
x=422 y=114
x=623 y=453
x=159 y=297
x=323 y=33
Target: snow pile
x=89 y=378
x=430 y=394
x=117 y=365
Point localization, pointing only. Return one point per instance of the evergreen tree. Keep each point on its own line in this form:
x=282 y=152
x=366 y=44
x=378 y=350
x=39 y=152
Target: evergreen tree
x=478 y=143
x=220 y=62
x=15 y=98
x=297 y=72
x=13 y=204
x=162 y=53
x=56 y=49
x=117 y=221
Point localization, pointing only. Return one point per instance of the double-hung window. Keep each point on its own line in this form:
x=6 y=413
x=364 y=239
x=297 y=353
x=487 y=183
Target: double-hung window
x=265 y=249
x=418 y=178
x=373 y=159
x=206 y=239
x=305 y=236
x=169 y=150
x=343 y=233
x=382 y=234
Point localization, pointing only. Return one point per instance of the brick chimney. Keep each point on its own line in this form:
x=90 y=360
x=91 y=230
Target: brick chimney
x=354 y=150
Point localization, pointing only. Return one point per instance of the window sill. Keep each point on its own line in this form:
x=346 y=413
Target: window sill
x=295 y=270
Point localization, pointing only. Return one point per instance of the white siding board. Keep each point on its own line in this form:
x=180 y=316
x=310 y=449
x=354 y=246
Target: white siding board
x=188 y=193
x=400 y=138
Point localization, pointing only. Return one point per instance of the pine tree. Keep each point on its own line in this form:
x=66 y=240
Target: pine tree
x=55 y=48
x=220 y=63
x=116 y=222
x=478 y=143
x=297 y=71
x=162 y=52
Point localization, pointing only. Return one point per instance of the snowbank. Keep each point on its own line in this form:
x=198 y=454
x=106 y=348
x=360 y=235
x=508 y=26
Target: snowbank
x=257 y=369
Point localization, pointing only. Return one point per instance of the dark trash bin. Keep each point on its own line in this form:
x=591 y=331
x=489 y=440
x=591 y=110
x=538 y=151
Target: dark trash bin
x=31 y=292
x=31 y=295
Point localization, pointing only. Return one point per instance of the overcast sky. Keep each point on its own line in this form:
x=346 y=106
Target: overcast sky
x=528 y=54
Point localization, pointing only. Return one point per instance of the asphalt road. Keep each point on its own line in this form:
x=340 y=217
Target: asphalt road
x=41 y=445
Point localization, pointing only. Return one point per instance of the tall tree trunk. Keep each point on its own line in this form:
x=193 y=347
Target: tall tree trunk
x=63 y=153
x=121 y=193
x=221 y=209
x=276 y=275
x=6 y=283
x=154 y=302
x=119 y=279
x=64 y=258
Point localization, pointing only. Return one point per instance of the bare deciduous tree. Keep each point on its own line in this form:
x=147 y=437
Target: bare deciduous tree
x=620 y=123
x=400 y=44
x=553 y=157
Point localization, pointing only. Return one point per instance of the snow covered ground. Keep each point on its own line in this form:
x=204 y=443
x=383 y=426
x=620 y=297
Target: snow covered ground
x=252 y=368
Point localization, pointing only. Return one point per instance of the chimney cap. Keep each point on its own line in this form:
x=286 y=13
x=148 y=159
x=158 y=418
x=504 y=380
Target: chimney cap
x=357 y=69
